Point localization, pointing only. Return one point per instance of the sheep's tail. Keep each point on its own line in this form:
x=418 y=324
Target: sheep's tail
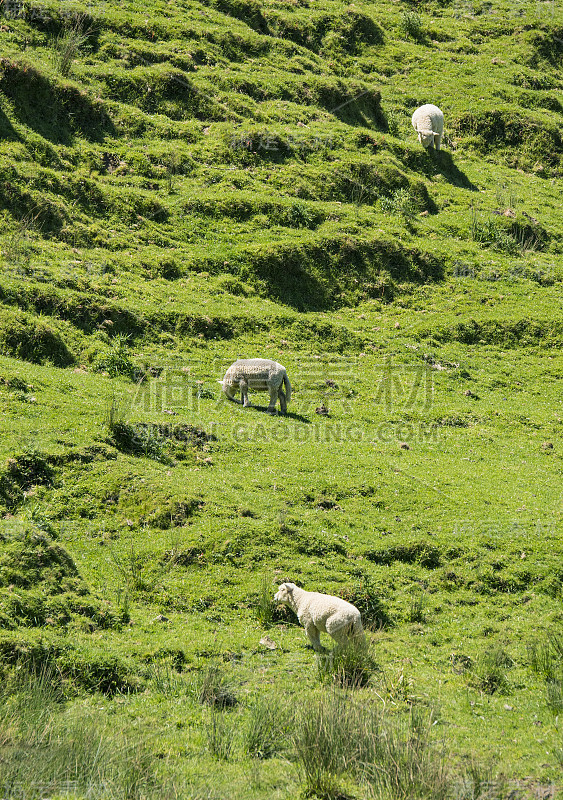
x=287 y=386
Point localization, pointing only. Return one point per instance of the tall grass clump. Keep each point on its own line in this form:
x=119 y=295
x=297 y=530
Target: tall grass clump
x=116 y=360
x=268 y=727
x=327 y=739
x=45 y=750
x=514 y=240
x=265 y=607
x=220 y=731
x=337 y=740
x=17 y=246
x=213 y=688
x=405 y=762
x=417 y=606
x=401 y=203
x=546 y=659
x=350 y=666
x=68 y=45
x=490 y=671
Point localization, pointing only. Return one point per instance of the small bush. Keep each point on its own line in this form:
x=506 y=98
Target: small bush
x=68 y=45
x=411 y=26
x=116 y=360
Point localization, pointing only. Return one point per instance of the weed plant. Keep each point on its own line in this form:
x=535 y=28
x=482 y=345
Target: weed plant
x=546 y=658
x=417 y=605
x=401 y=203
x=116 y=361
x=411 y=25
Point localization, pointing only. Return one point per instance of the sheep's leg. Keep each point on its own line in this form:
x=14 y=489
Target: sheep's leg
x=244 y=393
x=283 y=404
x=437 y=141
x=314 y=637
x=273 y=397
x=341 y=636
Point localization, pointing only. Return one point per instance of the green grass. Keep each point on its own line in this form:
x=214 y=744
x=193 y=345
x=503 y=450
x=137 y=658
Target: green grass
x=184 y=186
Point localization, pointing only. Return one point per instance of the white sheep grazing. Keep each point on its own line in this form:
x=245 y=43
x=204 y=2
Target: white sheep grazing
x=322 y=613
x=261 y=374
x=428 y=122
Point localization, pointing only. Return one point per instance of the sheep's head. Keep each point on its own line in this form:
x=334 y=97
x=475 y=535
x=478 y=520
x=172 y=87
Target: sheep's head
x=426 y=138
x=284 y=592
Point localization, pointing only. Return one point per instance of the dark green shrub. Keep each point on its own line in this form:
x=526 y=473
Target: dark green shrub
x=411 y=26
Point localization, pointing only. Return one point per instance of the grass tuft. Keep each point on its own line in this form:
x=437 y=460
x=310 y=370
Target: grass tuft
x=349 y=667
x=213 y=688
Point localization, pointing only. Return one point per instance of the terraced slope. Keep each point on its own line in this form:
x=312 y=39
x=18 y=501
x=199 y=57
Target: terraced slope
x=183 y=184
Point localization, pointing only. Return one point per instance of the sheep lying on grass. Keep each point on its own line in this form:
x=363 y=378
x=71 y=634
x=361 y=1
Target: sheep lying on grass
x=428 y=122
x=322 y=613
x=262 y=375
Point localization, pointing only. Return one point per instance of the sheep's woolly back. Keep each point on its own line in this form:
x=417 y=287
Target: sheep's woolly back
x=253 y=369
x=428 y=120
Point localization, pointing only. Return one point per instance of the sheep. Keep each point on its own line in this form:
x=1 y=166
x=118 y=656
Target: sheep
x=428 y=122
x=322 y=612
x=260 y=374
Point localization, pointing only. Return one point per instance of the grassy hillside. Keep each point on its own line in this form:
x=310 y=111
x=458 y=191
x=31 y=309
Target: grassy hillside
x=183 y=184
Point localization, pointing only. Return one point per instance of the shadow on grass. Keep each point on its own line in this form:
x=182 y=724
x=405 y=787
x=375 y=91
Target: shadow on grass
x=55 y=110
x=289 y=415
x=445 y=165
x=7 y=131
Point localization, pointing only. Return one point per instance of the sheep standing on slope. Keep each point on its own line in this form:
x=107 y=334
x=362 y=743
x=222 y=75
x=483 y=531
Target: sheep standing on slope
x=322 y=613
x=261 y=374
x=428 y=122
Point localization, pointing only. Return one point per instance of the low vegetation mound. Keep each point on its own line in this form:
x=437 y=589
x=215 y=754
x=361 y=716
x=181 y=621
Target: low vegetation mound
x=40 y=585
